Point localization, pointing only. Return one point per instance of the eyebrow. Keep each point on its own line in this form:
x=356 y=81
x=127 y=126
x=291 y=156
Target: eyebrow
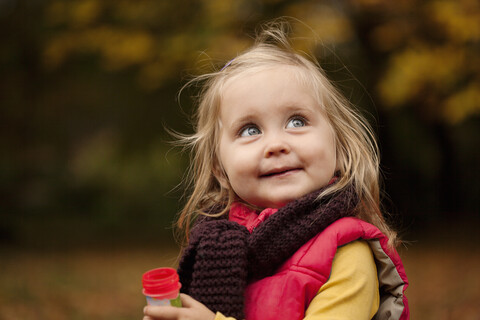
x=300 y=109
x=238 y=123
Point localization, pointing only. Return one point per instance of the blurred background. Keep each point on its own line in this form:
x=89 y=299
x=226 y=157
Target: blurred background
x=90 y=183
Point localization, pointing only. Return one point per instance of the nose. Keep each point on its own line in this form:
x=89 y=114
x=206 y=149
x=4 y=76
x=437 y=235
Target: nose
x=276 y=146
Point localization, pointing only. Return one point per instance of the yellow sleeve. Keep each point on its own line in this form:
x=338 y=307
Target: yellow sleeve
x=352 y=291
x=219 y=316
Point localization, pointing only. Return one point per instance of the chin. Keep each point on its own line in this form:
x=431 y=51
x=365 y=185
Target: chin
x=277 y=201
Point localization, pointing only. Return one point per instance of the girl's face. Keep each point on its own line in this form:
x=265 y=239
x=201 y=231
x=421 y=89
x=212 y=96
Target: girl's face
x=276 y=144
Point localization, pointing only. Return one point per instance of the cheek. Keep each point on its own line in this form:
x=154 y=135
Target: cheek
x=233 y=158
x=333 y=159
x=336 y=154
x=236 y=167
x=229 y=160
x=324 y=157
x=338 y=161
x=331 y=149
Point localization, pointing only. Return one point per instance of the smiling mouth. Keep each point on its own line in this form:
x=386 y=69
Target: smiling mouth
x=281 y=172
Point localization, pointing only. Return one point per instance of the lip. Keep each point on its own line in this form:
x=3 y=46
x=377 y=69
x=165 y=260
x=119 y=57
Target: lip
x=279 y=172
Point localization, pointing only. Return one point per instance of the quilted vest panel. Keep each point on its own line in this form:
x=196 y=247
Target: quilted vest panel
x=288 y=293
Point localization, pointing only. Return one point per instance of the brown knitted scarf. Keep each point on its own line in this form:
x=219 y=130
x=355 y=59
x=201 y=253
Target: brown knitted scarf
x=222 y=256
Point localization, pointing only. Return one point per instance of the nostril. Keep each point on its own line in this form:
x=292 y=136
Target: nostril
x=276 y=150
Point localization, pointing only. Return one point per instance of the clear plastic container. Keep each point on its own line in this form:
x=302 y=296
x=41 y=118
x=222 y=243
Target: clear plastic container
x=162 y=287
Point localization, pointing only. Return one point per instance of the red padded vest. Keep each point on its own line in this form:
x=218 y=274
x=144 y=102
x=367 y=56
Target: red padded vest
x=288 y=293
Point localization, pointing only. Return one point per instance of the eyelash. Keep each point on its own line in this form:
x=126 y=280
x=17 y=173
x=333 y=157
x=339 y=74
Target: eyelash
x=245 y=127
x=298 y=117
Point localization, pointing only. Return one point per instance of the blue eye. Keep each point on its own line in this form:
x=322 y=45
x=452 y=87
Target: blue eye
x=249 y=131
x=296 y=122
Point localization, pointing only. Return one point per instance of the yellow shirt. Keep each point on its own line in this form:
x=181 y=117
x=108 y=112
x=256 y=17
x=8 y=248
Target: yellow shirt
x=351 y=292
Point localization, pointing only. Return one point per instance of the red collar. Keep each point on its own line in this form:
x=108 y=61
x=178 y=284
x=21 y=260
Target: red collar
x=248 y=217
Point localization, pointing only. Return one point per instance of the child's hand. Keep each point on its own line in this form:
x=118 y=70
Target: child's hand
x=191 y=310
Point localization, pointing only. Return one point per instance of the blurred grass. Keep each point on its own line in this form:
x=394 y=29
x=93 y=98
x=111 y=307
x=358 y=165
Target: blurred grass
x=106 y=284
x=444 y=281
x=80 y=284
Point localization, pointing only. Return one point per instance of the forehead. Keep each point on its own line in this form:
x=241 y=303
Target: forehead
x=292 y=72
x=273 y=86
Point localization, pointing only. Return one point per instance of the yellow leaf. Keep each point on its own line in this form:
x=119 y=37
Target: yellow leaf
x=462 y=104
x=56 y=13
x=460 y=19
x=413 y=69
x=84 y=12
x=329 y=25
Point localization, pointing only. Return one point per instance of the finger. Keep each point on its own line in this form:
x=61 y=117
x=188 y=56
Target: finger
x=166 y=312
x=187 y=301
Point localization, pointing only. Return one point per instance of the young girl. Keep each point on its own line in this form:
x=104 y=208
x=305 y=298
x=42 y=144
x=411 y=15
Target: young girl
x=285 y=212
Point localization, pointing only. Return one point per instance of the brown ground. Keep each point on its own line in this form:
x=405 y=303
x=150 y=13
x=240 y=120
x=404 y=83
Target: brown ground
x=106 y=284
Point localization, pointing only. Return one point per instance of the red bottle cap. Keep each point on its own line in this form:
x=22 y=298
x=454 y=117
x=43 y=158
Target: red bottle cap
x=160 y=281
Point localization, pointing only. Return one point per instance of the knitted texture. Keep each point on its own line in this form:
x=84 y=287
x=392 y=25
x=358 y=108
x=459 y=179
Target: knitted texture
x=213 y=268
x=223 y=256
x=282 y=234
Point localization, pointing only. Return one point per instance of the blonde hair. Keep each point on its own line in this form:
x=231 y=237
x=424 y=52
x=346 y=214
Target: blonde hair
x=356 y=147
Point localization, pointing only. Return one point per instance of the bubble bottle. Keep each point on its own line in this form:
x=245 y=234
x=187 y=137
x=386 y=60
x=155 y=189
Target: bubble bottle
x=162 y=287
